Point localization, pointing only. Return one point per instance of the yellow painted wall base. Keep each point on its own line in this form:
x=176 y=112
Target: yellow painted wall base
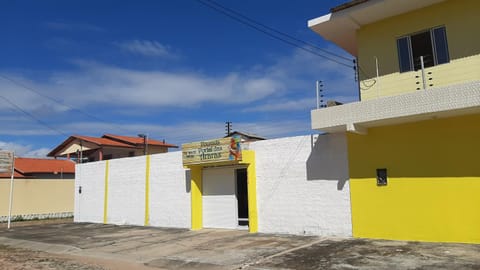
x=433 y=191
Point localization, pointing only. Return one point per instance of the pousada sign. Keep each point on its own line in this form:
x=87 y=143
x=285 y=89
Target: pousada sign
x=212 y=151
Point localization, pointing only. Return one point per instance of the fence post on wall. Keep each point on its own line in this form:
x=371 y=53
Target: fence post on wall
x=105 y=195
x=11 y=191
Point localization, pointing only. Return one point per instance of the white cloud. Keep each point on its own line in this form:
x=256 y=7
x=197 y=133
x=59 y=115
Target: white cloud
x=109 y=86
x=22 y=150
x=96 y=84
x=288 y=86
x=284 y=105
x=147 y=48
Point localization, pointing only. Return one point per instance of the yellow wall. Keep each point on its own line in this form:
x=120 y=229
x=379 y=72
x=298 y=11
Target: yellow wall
x=38 y=196
x=433 y=191
x=460 y=17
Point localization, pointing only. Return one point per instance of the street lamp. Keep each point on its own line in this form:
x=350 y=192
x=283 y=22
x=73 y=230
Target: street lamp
x=144 y=136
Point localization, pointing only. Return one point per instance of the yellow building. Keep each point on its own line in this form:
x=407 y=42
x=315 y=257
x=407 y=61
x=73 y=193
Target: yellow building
x=414 y=138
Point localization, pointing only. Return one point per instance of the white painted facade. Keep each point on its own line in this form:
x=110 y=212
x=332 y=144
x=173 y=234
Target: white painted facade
x=302 y=188
x=169 y=191
x=89 y=179
x=126 y=191
x=302 y=185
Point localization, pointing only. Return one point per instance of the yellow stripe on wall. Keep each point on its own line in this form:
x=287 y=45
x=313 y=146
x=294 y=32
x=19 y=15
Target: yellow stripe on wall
x=147 y=191
x=196 y=195
x=105 y=195
x=249 y=158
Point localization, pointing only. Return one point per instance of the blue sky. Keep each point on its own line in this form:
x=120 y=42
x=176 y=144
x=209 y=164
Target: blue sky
x=176 y=70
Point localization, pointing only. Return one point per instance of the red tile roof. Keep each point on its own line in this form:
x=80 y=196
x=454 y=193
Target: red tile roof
x=136 y=140
x=15 y=175
x=39 y=165
x=26 y=166
x=110 y=140
x=101 y=141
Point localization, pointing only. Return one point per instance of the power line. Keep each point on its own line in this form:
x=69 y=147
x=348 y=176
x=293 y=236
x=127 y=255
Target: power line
x=32 y=116
x=59 y=102
x=276 y=30
x=254 y=26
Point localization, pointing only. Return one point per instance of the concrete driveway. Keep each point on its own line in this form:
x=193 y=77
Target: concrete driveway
x=130 y=247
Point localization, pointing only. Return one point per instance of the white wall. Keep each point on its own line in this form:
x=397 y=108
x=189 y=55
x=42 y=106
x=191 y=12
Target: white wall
x=302 y=185
x=126 y=191
x=169 y=191
x=89 y=204
x=302 y=188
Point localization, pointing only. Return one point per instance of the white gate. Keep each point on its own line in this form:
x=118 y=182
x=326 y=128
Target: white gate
x=219 y=200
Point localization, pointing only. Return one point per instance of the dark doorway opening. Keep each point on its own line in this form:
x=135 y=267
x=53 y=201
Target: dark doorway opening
x=242 y=196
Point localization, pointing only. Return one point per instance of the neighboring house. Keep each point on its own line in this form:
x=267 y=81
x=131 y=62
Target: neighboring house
x=43 y=188
x=41 y=168
x=414 y=138
x=109 y=146
x=246 y=137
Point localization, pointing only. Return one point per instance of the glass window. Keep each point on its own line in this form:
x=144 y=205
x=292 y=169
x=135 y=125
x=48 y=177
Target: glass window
x=441 y=48
x=403 y=45
x=422 y=46
x=431 y=44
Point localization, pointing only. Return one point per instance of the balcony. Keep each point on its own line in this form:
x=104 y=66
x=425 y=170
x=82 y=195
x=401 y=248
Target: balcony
x=435 y=102
x=457 y=71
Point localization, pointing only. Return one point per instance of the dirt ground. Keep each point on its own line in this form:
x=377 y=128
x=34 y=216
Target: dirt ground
x=87 y=246
x=19 y=259
x=24 y=259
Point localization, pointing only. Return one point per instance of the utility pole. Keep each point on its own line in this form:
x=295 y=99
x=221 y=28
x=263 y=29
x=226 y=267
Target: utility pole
x=228 y=127
x=145 y=144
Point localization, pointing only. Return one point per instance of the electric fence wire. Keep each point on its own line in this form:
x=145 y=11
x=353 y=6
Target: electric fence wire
x=276 y=30
x=7 y=78
x=268 y=31
x=20 y=109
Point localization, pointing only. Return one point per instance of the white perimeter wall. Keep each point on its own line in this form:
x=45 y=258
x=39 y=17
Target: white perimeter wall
x=302 y=185
x=302 y=188
x=89 y=204
x=169 y=191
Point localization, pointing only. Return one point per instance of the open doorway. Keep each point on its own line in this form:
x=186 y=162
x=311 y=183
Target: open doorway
x=242 y=196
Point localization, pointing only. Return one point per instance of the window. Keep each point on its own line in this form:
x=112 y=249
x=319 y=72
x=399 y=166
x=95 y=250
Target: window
x=431 y=44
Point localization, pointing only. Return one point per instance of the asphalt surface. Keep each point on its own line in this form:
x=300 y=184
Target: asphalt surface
x=97 y=246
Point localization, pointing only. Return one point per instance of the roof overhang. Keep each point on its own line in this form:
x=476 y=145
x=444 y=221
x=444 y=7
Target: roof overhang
x=357 y=117
x=340 y=27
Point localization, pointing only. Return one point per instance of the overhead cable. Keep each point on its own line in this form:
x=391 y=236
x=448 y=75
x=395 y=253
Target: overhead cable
x=60 y=102
x=268 y=31
x=18 y=108
x=276 y=30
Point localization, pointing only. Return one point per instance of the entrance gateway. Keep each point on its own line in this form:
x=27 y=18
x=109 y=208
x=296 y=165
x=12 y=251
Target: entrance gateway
x=225 y=198
x=223 y=184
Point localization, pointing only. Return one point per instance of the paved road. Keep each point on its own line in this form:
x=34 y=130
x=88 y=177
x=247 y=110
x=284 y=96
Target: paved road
x=97 y=246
